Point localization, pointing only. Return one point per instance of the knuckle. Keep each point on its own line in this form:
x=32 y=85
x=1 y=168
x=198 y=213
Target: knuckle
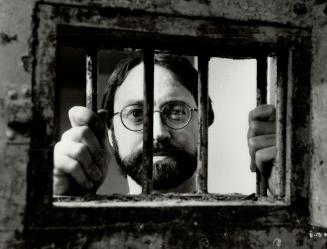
x=254 y=126
x=66 y=134
x=271 y=108
x=73 y=166
x=250 y=115
x=253 y=141
x=56 y=148
x=75 y=110
x=252 y=146
x=259 y=156
x=84 y=131
x=80 y=150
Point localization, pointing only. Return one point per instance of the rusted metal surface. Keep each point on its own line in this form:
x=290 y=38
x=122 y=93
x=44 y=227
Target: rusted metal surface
x=287 y=12
x=158 y=198
x=300 y=140
x=255 y=41
x=319 y=128
x=19 y=115
x=15 y=29
x=91 y=79
x=148 y=90
x=283 y=67
x=174 y=235
x=203 y=106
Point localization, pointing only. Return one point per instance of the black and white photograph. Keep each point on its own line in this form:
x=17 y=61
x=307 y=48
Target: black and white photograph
x=141 y=124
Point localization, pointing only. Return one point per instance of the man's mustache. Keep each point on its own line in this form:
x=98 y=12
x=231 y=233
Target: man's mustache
x=163 y=150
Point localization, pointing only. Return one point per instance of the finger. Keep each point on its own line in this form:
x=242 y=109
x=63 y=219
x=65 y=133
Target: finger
x=80 y=153
x=263 y=112
x=257 y=128
x=264 y=158
x=60 y=184
x=261 y=142
x=263 y=184
x=84 y=135
x=273 y=181
x=253 y=167
x=82 y=116
x=67 y=165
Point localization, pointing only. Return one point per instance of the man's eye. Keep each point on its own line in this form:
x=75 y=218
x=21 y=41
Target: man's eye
x=176 y=114
x=135 y=114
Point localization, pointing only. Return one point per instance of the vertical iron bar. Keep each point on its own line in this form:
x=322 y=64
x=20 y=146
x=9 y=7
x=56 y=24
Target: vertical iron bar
x=147 y=157
x=203 y=99
x=282 y=79
x=91 y=78
x=262 y=67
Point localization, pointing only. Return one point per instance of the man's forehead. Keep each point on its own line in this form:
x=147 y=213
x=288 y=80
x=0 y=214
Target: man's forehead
x=166 y=88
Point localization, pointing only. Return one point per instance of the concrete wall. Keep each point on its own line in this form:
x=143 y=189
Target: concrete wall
x=16 y=26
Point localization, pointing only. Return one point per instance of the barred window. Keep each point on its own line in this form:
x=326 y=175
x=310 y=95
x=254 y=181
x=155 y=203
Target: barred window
x=273 y=52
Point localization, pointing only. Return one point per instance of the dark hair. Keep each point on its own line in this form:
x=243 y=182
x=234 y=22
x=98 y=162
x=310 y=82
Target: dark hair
x=180 y=66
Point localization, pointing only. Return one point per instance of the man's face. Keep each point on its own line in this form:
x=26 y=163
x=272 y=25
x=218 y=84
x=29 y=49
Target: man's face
x=174 y=156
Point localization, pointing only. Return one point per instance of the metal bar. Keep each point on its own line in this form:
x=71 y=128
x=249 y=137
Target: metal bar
x=147 y=157
x=282 y=79
x=203 y=100
x=262 y=83
x=91 y=79
x=262 y=67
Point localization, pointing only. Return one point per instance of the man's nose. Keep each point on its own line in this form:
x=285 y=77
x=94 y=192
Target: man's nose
x=160 y=130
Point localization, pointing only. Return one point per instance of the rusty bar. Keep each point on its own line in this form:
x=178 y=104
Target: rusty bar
x=262 y=83
x=282 y=81
x=91 y=78
x=203 y=100
x=262 y=66
x=147 y=157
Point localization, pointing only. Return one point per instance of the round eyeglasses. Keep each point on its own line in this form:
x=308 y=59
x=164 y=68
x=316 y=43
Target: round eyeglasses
x=176 y=115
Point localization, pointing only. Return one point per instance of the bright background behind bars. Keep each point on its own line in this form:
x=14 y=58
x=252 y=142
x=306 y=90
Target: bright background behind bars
x=232 y=88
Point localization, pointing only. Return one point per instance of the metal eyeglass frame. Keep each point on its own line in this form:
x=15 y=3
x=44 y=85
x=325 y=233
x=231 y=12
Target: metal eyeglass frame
x=161 y=116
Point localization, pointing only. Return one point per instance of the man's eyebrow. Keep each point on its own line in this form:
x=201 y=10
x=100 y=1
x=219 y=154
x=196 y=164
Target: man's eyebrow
x=134 y=102
x=172 y=100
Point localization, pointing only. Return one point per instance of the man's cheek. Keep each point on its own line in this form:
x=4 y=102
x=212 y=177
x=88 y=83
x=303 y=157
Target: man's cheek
x=186 y=142
x=129 y=147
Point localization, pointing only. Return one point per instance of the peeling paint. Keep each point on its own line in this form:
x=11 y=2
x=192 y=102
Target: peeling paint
x=27 y=63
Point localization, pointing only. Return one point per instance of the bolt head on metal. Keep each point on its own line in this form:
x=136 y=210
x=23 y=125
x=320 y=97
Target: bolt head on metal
x=26 y=92
x=10 y=134
x=12 y=94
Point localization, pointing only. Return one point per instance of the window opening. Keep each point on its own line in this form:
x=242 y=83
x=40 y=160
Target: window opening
x=202 y=180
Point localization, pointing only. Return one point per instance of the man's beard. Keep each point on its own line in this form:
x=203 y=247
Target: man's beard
x=176 y=167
